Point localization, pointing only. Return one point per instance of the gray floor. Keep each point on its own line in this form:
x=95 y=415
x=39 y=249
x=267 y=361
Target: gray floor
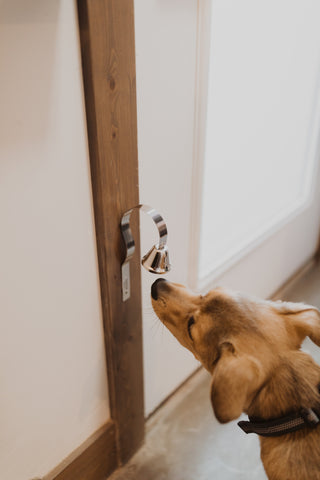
x=185 y=442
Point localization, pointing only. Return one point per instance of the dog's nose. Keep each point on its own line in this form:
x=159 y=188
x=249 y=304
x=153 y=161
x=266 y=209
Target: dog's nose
x=154 y=288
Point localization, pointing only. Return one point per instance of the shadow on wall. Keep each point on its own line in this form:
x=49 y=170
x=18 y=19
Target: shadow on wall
x=28 y=38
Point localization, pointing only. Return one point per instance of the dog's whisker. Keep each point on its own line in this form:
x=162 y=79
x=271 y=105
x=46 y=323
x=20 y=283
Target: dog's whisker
x=148 y=310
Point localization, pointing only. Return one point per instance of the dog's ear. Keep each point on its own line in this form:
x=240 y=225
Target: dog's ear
x=236 y=377
x=304 y=320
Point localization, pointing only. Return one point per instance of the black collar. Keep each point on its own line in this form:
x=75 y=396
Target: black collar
x=307 y=417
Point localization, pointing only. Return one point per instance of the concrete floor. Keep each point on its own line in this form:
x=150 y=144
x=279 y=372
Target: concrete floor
x=185 y=442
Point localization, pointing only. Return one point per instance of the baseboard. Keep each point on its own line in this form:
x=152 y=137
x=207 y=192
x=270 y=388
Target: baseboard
x=95 y=459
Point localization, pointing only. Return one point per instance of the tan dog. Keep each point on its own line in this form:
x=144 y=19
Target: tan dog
x=252 y=350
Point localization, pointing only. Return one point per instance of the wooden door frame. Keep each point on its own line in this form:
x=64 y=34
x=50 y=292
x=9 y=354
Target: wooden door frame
x=108 y=62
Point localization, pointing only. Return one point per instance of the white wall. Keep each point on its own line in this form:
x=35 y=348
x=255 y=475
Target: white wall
x=52 y=362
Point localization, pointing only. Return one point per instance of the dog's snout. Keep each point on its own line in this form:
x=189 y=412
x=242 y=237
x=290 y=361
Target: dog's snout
x=155 y=288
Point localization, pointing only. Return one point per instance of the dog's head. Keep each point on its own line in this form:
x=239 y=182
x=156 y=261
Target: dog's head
x=237 y=339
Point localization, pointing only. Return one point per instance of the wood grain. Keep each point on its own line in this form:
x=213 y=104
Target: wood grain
x=108 y=61
x=94 y=460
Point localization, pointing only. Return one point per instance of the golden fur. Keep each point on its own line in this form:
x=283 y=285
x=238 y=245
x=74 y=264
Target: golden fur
x=252 y=350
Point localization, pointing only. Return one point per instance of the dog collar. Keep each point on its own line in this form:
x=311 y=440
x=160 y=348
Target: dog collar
x=307 y=417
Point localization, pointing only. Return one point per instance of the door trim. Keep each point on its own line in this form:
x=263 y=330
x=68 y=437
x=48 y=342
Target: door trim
x=108 y=60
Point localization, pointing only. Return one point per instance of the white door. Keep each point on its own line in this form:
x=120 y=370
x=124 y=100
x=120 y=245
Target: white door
x=228 y=131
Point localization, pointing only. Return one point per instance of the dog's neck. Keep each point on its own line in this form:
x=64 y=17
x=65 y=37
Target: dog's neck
x=293 y=386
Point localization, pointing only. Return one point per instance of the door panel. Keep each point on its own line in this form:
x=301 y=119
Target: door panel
x=165 y=32
x=172 y=48
x=261 y=132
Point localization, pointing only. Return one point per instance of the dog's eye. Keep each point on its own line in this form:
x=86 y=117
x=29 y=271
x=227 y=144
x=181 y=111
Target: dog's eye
x=190 y=323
